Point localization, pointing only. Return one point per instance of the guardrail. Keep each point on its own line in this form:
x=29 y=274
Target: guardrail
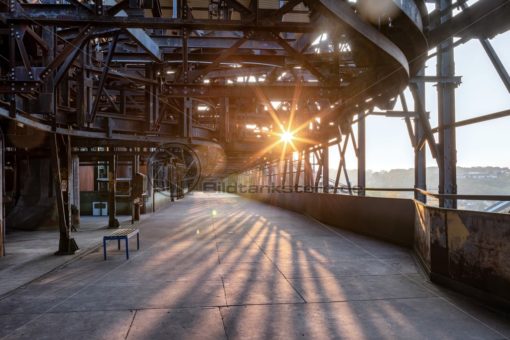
x=347 y=189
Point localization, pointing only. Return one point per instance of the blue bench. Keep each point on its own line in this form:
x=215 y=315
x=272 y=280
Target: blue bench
x=122 y=234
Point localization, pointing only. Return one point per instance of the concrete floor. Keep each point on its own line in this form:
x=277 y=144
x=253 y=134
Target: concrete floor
x=30 y=254
x=216 y=266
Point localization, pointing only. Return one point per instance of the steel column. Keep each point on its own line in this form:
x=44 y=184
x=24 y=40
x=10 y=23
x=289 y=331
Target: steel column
x=187 y=118
x=446 y=112
x=308 y=175
x=112 y=188
x=298 y=170
x=361 y=155
x=66 y=245
x=291 y=170
x=420 y=160
x=283 y=176
x=12 y=64
x=75 y=189
x=2 y=189
x=136 y=200
x=325 y=169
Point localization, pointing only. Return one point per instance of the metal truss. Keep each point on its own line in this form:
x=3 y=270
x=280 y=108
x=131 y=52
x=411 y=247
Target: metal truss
x=146 y=73
x=441 y=140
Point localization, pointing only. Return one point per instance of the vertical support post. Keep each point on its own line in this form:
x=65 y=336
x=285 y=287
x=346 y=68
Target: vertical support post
x=152 y=111
x=12 y=64
x=112 y=188
x=84 y=87
x=318 y=172
x=150 y=183
x=47 y=100
x=270 y=175
x=446 y=112
x=283 y=175
x=362 y=165
x=298 y=170
x=227 y=120
x=187 y=118
x=307 y=171
x=66 y=245
x=75 y=189
x=2 y=189
x=67 y=179
x=420 y=160
x=135 y=190
x=325 y=169
x=291 y=171
x=149 y=94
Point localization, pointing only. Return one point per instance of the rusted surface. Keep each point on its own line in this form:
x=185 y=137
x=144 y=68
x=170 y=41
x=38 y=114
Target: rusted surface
x=422 y=234
x=479 y=253
x=472 y=248
x=438 y=241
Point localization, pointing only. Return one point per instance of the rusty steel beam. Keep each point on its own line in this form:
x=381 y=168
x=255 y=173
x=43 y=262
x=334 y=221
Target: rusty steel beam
x=50 y=16
x=71 y=46
x=60 y=147
x=247 y=90
x=102 y=80
x=222 y=57
x=299 y=57
x=483 y=19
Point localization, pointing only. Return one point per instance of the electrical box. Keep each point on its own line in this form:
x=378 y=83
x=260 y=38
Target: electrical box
x=99 y=208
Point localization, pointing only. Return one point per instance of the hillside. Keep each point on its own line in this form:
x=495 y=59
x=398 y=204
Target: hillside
x=474 y=180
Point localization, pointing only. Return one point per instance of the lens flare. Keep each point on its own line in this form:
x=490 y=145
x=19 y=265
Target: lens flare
x=287 y=137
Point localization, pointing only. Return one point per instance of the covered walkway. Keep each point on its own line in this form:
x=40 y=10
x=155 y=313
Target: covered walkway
x=217 y=266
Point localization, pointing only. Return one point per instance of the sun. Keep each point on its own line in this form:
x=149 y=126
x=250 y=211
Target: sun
x=286 y=137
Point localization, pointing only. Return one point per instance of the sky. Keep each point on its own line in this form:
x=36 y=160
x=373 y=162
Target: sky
x=481 y=92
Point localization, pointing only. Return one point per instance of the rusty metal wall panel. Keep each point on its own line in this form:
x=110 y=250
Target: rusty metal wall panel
x=466 y=249
x=438 y=241
x=479 y=250
x=422 y=234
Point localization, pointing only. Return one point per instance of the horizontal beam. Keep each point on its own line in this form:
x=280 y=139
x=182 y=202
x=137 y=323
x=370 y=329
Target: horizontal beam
x=216 y=43
x=483 y=19
x=466 y=197
x=69 y=18
x=457 y=80
x=475 y=120
x=99 y=137
x=245 y=90
x=398 y=114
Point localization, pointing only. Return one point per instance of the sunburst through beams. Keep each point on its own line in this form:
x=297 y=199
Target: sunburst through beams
x=288 y=134
x=286 y=137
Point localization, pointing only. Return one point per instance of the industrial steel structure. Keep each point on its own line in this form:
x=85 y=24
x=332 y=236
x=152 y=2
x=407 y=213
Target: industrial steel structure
x=252 y=92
